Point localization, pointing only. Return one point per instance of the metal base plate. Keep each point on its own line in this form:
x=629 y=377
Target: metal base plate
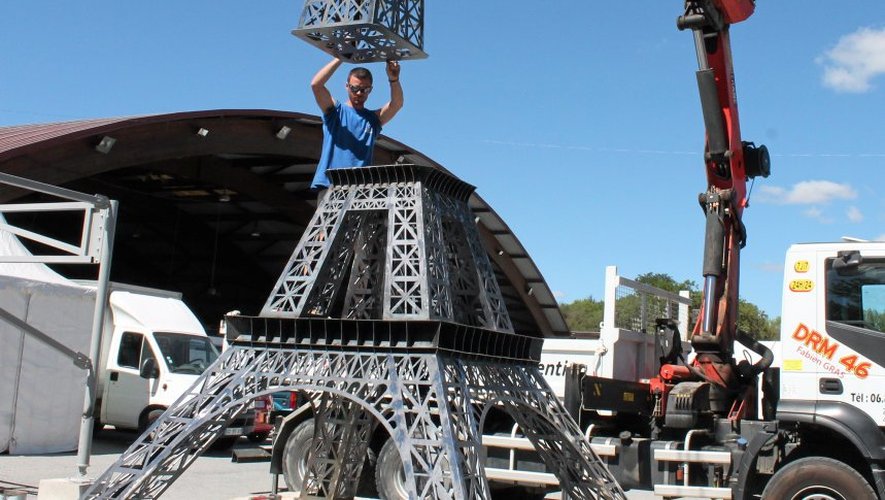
x=360 y=43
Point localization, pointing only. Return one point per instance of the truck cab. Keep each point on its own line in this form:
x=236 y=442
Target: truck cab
x=833 y=352
x=832 y=325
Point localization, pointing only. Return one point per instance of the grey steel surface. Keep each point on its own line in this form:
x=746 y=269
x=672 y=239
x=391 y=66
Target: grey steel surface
x=432 y=404
x=364 y=30
x=430 y=388
x=396 y=242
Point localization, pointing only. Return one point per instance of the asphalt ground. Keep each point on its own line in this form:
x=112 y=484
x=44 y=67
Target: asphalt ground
x=213 y=476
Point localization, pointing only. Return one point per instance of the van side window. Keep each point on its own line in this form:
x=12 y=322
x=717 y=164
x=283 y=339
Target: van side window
x=130 y=350
x=856 y=296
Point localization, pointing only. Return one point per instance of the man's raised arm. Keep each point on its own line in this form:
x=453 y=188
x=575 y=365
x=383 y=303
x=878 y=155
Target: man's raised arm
x=396 y=94
x=318 y=85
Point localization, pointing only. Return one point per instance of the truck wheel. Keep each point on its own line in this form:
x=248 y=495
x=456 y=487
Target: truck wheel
x=295 y=455
x=390 y=478
x=818 y=478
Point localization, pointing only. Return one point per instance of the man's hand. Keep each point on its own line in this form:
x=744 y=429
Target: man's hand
x=393 y=70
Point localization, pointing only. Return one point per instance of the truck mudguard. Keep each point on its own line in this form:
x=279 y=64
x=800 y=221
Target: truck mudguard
x=746 y=467
x=847 y=421
x=844 y=419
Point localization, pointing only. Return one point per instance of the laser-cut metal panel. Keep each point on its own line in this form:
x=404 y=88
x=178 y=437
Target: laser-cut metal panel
x=363 y=31
x=397 y=242
x=438 y=276
x=405 y=296
x=297 y=281
x=429 y=401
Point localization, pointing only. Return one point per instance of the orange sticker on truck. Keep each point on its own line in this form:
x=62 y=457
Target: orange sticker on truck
x=823 y=350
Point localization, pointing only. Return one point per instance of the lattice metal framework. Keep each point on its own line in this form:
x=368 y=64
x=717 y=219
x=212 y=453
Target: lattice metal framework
x=388 y=313
x=431 y=401
x=393 y=242
x=364 y=30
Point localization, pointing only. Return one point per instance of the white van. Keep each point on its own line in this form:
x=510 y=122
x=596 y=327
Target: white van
x=153 y=349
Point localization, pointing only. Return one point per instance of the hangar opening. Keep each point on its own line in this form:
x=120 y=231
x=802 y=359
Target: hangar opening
x=212 y=204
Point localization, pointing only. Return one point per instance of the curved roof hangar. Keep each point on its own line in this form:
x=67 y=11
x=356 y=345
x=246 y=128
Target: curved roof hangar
x=212 y=203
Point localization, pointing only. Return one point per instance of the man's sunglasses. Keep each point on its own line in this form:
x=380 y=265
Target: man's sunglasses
x=359 y=90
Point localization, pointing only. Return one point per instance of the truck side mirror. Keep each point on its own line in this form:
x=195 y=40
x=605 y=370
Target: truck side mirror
x=149 y=369
x=847 y=262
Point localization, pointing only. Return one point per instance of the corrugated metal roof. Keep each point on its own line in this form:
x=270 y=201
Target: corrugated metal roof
x=18 y=139
x=20 y=136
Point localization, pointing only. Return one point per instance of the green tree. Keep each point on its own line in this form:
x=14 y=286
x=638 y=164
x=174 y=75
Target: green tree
x=583 y=315
x=874 y=319
x=666 y=282
x=586 y=314
x=756 y=322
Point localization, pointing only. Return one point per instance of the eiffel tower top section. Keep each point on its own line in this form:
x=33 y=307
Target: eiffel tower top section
x=364 y=31
x=395 y=242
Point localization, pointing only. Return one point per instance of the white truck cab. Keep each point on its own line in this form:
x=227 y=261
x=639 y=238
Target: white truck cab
x=832 y=327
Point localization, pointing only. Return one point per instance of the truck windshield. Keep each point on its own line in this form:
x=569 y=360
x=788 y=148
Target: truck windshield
x=182 y=353
x=856 y=296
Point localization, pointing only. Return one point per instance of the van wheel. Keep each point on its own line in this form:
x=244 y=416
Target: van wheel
x=390 y=478
x=148 y=419
x=818 y=478
x=295 y=455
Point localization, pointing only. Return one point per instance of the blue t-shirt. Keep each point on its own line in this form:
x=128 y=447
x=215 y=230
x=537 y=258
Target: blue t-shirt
x=348 y=140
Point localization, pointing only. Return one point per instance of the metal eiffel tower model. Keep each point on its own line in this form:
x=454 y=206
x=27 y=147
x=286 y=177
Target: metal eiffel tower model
x=388 y=313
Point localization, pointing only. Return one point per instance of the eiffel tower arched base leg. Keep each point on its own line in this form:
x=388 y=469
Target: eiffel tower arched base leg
x=431 y=404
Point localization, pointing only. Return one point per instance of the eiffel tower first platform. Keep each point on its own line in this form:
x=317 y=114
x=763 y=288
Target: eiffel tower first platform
x=388 y=314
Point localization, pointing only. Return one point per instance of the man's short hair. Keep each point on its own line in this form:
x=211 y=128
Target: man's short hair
x=361 y=73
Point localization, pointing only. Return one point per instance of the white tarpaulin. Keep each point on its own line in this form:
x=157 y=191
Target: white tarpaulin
x=41 y=391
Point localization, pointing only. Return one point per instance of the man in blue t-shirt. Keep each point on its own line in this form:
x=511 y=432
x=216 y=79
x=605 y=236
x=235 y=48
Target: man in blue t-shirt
x=350 y=129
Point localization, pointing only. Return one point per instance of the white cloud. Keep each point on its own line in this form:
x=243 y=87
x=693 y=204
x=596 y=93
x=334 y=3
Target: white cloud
x=559 y=295
x=817 y=214
x=855 y=60
x=808 y=193
x=854 y=214
x=881 y=237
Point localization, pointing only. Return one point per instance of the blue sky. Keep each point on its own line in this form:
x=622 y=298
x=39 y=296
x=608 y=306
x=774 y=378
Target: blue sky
x=578 y=121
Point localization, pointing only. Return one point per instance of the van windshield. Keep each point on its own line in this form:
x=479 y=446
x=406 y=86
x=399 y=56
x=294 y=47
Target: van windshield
x=186 y=353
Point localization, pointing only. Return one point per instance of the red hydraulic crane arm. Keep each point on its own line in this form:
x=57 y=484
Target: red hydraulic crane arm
x=729 y=163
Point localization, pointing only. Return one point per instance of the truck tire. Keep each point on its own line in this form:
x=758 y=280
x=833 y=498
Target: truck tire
x=818 y=478
x=295 y=455
x=390 y=478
